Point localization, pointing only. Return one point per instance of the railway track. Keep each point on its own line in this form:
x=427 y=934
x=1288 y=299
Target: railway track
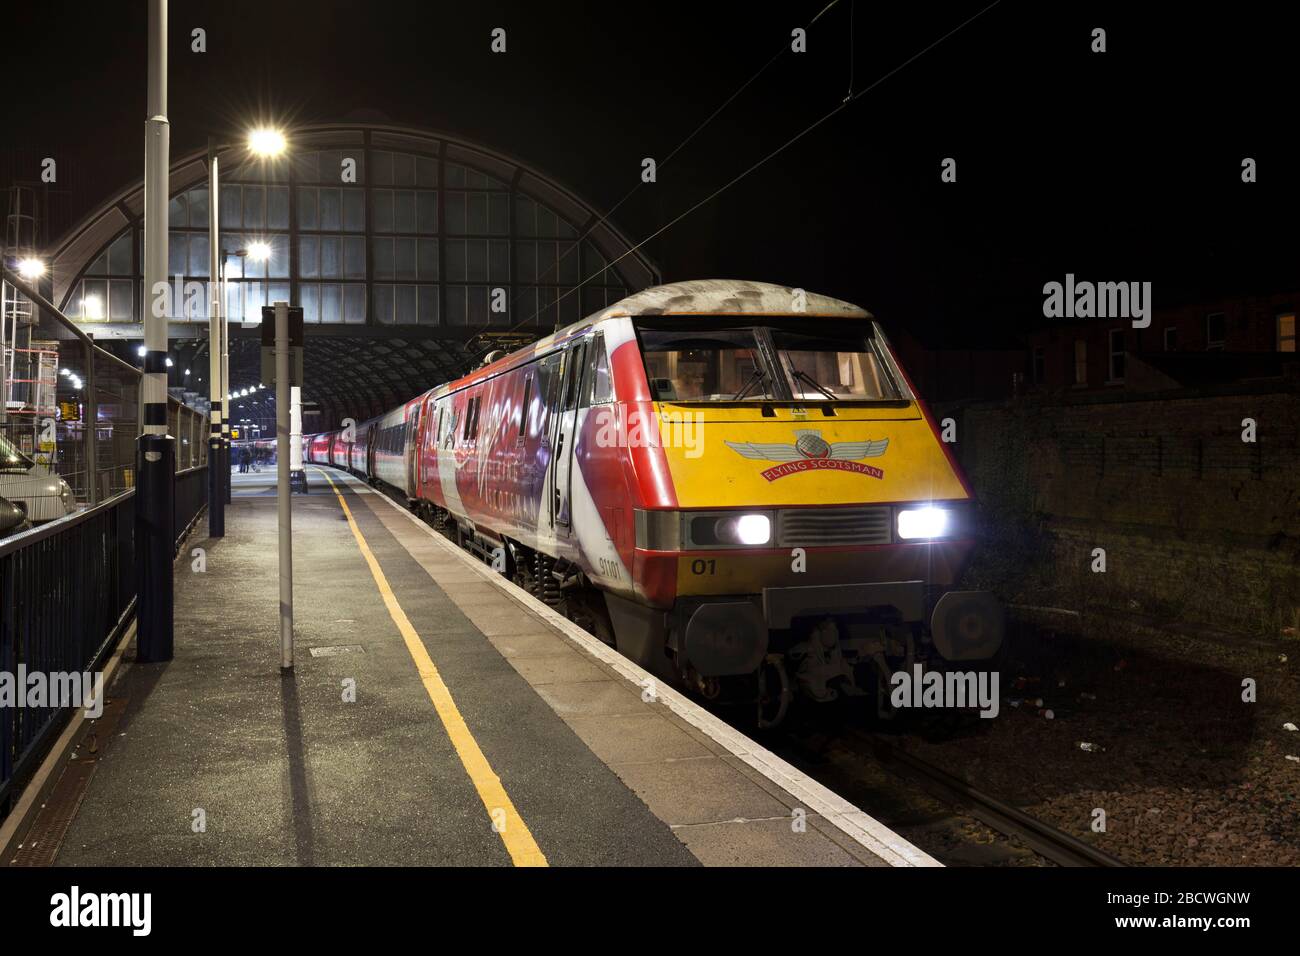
x=1052 y=844
x=1046 y=840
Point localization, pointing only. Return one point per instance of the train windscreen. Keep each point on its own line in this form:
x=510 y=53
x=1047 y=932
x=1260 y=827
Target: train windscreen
x=710 y=362
x=705 y=365
x=826 y=365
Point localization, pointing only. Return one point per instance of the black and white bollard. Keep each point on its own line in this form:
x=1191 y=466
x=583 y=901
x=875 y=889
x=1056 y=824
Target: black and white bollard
x=155 y=545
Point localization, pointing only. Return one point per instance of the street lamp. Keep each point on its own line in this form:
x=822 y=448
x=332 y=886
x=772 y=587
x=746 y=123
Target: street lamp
x=31 y=268
x=265 y=143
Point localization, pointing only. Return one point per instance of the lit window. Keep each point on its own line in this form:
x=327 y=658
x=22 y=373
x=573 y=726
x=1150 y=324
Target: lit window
x=1286 y=332
x=92 y=307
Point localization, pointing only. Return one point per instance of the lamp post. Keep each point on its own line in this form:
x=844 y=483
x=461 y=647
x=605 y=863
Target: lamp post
x=155 y=541
x=258 y=252
x=265 y=143
x=216 y=491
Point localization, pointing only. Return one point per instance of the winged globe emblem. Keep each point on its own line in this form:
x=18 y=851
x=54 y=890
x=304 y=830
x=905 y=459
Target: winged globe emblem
x=809 y=444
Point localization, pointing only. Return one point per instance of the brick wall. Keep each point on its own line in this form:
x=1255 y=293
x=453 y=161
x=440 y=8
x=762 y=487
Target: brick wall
x=1197 y=525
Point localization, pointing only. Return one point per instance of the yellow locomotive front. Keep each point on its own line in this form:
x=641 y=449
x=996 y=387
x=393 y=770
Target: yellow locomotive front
x=818 y=526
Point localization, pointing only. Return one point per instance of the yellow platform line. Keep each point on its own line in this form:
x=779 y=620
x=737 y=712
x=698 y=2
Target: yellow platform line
x=505 y=819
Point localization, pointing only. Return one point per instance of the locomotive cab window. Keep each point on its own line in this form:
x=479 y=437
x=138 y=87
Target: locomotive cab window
x=705 y=365
x=782 y=360
x=602 y=389
x=573 y=375
x=832 y=365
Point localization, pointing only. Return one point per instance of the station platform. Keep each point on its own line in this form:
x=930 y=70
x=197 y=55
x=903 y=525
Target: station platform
x=436 y=715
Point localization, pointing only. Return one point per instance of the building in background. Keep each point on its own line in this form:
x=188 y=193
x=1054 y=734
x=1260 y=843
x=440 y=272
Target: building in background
x=392 y=239
x=1193 y=343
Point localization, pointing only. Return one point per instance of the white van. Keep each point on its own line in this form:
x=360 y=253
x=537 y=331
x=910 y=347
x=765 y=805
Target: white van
x=31 y=487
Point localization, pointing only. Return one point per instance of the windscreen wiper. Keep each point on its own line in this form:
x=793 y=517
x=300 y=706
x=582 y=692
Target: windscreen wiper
x=804 y=376
x=758 y=375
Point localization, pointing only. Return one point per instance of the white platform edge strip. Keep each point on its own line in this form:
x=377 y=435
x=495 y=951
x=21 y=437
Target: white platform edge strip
x=859 y=826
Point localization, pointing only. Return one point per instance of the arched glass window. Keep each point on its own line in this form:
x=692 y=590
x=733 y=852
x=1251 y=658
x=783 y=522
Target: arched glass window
x=365 y=234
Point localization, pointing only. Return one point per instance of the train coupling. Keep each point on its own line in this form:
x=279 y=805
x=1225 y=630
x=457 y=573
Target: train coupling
x=963 y=625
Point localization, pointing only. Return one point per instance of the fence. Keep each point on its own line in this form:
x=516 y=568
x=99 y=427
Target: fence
x=68 y=587
x=67 y=592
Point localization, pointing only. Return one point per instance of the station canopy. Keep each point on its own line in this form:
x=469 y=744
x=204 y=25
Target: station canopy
x=393 y=240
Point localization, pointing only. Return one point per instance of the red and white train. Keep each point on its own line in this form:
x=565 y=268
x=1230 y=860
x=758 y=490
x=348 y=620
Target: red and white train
x=732 y=482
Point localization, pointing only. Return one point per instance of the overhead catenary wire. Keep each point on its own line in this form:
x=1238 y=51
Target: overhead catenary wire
x=853 y=8
x=577 y=243
x=764 y=160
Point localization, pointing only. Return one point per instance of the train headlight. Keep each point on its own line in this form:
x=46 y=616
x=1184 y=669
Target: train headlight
x=752 y=530
x=691 y=530
x=927 y=522
x=730 y=530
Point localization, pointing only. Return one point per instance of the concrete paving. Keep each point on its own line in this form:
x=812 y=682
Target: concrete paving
x=286 y=770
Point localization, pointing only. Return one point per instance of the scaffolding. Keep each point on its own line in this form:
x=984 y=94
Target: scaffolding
x=28 y=370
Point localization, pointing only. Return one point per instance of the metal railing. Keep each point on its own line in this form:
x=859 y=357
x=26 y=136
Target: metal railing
x=68 y=588
x=190 y=501
x=67 y=593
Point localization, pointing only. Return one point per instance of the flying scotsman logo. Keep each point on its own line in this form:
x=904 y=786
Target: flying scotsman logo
x=811 y=452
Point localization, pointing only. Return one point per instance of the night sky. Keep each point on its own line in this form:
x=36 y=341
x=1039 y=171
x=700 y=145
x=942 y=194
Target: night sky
x=1122 y=166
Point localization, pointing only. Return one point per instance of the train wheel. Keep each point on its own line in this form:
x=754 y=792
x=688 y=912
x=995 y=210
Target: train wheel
x=589 y=612
x=774 y=694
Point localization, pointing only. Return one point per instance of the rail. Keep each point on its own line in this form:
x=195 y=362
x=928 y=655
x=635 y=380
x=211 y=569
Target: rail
x=1061 y=848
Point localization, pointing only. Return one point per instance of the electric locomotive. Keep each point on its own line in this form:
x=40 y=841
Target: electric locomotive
x=732 y=482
